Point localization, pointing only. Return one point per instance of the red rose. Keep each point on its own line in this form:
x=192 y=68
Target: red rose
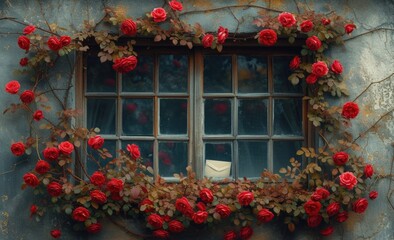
x=175 y=5
x=23 y=62
x=206 y=195
x=183 y=206
x=265 y=215
x=311 y=79
x=29 y=29
x=161 y=234
x=360 y=205
x=56 y=233
x=322 y=192
x=207 y=40
x=54 y=43
x=96 y=142
x=350 y=110
x=245 y=198
x=18 y=149
x=333 y=208
x=116 y=196
x=155 y=221
x=325 y=21
x=128 y=27
x=246 y=232
x=327 y=231
x=80 y=214
x=65 y=40
x=222 y=34
x=175 y=226
x=342 y=216
x=24 y=43
x=27 y=96
x=33 y=210
x=94 y=228
x=368 y=171
x=313 y=43
x=306 y=26
x=340 y=158
x=319 y=68
x=134 y=151
x=347 y=180
x=314 y=221
x=230 y=235
x=336 y=67
x=159 y=14
x=373 y=195
x=201 y=206
x=31 y=180
x=295 y=63
x=42 y=167
x=97 y=178
x=98 y=197
x=200 y=217
x=312 y=207
x=268 y=37
x=66 y=147
x=115 y=185
x=286 y=19
x=12 y=87
x=54 y=189
x=125 y=64
x=148 y=205
x=223 y=210
x=349 y=28
x=51 y=153
x=38 y=115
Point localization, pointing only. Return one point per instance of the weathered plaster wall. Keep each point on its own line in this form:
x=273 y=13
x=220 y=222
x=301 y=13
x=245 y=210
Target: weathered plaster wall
x=367 y=58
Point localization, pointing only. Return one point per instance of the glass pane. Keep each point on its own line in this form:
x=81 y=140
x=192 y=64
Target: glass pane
x=173 y=158
x=281 y=157
x=252 y=158
x=252 y=74
x=281 y=72
x=141 y=78
x=218 y=159
x=288 y=117
x=173 y=76
x=217 y=74
x=101 y=113
x=252 y=116
x=137 y=117
x=94 y=161
x=100 y=76
x=173 y=116
x=217 y=116
x=146 y=150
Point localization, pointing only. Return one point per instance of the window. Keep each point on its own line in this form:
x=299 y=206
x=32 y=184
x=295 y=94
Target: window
x=183 y=107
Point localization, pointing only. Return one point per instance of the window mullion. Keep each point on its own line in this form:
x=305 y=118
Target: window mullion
x=235 y=159
x=199 y=114
x=270 y=146
x=156 y=116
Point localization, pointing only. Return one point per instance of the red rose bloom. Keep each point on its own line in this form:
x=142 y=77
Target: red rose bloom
x=23 y=62
x=148 y=205
x=183 y=205
x=161 y=234
x=327 y=231
x=336 y=67
x=360 y=205
x=56 y=233
x=115 y=185
x=65 y=40
x=245 y=198
x=175 y=226
x=54 y=43
x=223 y=210
x=286 y=19
x=97 y=178
x=33 y=210
x=350 y=110
x=313 y=43
x=159 y=14
x=206 y=195
x=265 y=215
x=134 y=151
x=342 y=216
x=29 y=29
x=322 y=192
x=115 y=196
x=349 y=28
x=12 y=87
x=333 y=208
x=319 y=68
x=155 y=221
x=31 y=180
x=207 y=40
x=66 y=147
x=230 y=235
x=314 y=221
x=27 y=96
x=51 y=153
x=325 y=21
x=54 y=189
x=94 y=228
x=128 y=27
x=368 y=171
x=295 y=63
x=222 y=34
x=268 y=37
x=312 y=207
x=311 y=79
x=80 y=214
x=98 y=197
x=38 y=115
x=18 y=149
x=175 y=5
x=373 y=195
x=96 y=142
x=200 y=217
x=125 y=64
x=246 y=232
x=201 y=206
x=340 y=158
x=306 y=26
x=347 y=180
x=24 y=43
x=42 y=167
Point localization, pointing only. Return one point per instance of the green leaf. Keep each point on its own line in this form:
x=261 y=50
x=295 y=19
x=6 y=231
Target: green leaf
x=291 y=40
x=304 y=52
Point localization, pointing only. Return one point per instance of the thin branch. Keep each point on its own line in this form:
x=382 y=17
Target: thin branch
x=391 y=180
x=13 y=168
x=296 y=4
x=231 y=6
x=372 y=83
x=368 y=32
x=238 y=22
x=25 y=24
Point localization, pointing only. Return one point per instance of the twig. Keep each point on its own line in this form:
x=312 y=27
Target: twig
x=25 y=24
x=13 y=167
x=372 y=83
x=231 y=6
x=368 y=32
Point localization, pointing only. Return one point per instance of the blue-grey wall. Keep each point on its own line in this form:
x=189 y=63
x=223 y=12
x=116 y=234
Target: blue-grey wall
x=366 y=59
